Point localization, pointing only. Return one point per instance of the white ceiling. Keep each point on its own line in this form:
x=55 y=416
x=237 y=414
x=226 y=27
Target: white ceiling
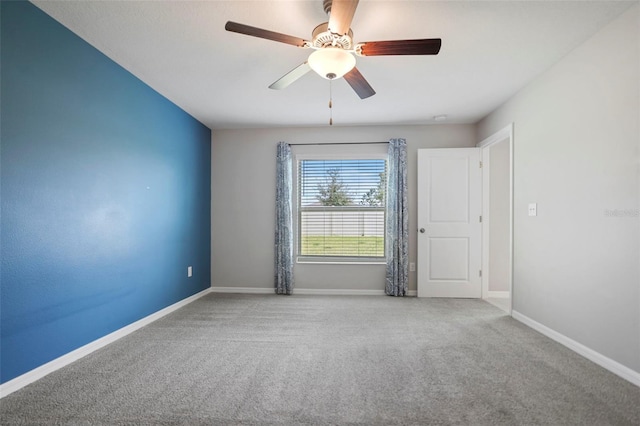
x=490 y=50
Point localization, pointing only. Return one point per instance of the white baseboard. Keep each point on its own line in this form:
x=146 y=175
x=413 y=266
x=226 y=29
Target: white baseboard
x=243 y=290
x=337 y=292
x=304 y=291
x=596 y=357
x=497 y=294
x=39 y=372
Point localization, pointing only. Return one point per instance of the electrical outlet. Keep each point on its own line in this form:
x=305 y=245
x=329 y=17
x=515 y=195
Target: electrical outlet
x=412 y=267
x=533 y=209
x=189 y=271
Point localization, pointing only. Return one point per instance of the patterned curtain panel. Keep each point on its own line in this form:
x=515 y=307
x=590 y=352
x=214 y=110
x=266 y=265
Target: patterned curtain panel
x=397 y=247
x=284 y=224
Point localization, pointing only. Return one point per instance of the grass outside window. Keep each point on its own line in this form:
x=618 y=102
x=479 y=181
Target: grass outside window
x=344 y=246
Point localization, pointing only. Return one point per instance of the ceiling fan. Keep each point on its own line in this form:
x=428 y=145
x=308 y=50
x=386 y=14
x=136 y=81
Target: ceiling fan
x=334 y=48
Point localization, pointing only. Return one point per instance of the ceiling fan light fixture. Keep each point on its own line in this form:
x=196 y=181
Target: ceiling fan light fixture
x=331 y=62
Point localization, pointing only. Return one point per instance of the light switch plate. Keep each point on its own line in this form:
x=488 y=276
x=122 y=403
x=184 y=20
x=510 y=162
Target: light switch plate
x=189 y=271
x=533 y=209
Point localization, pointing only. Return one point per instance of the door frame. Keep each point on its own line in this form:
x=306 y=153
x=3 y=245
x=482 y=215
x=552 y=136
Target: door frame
x=505 y=133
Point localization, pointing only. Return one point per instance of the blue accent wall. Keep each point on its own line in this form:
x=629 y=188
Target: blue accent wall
x=105 y=194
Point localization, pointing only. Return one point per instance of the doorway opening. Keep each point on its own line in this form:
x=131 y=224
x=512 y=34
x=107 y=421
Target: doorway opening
x=497 y=214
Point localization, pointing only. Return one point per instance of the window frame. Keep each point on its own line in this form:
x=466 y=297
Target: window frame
x=298 y=157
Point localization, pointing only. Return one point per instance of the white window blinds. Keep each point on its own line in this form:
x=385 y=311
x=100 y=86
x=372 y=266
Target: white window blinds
x=341 y=208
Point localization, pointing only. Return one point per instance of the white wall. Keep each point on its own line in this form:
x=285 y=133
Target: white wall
x=576 y=148
x=243 y=201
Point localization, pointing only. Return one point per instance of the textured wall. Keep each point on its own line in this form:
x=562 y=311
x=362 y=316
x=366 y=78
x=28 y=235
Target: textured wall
x=105 y=194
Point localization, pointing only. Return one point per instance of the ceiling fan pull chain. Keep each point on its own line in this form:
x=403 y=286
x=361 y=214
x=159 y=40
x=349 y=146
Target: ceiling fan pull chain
x=330 y=103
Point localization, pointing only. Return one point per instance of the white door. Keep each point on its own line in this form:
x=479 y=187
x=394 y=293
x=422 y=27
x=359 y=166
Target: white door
x=449 y=222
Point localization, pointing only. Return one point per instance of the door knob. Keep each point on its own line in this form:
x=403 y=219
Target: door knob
x=422 y=230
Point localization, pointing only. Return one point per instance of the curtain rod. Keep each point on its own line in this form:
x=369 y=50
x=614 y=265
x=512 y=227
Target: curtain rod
x=334 y=143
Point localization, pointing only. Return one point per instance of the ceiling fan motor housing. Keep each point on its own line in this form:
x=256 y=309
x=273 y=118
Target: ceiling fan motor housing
x=322 y=37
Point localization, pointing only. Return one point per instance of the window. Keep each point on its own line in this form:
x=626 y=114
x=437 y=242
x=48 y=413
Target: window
x=341 y=209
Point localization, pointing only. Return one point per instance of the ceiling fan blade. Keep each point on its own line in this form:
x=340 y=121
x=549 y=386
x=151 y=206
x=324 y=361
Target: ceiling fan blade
x=269 y=35
x=341 y=15
x=359 y=84
x=291 y=76
x=426 y=46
